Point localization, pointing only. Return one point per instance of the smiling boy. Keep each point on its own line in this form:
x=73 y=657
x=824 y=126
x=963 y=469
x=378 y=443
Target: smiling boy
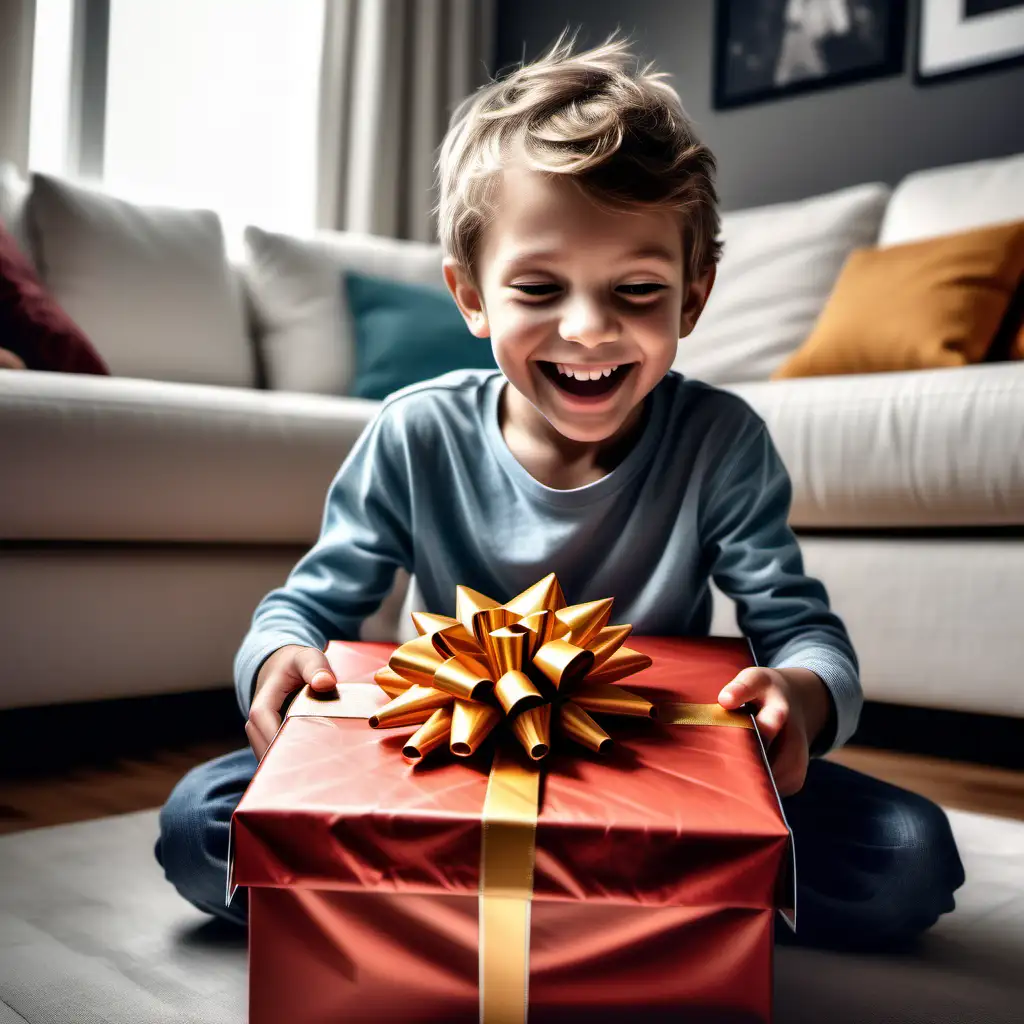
x=578 y=216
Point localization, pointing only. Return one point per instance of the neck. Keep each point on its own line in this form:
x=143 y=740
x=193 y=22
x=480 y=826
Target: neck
x=560 y=461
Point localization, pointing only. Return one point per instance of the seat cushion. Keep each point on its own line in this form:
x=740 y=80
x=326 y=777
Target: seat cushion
x=107 y=458
x=303 y=322
x=778 y=267
x=928 y=448
x=91 y=932
x=150 y=286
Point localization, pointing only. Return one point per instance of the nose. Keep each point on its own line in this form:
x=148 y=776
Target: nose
x=588 y=321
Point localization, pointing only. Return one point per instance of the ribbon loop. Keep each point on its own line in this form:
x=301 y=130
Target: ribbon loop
x=510 y=645
x=562 y=663
x=515 y=692
x=585 y=621
x=471 y=725
x=517 y=661
x=416 y=705
x=465 y=678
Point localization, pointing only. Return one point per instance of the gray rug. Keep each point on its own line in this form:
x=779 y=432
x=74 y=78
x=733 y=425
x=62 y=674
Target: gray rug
x=91 y=934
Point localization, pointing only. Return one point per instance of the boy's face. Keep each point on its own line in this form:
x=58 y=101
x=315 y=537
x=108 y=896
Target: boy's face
x=584 y=306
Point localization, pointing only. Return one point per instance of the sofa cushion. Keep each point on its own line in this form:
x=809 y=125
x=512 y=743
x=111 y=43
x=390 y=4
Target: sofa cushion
x=937 y=302
x=778 y=266
x=116 y=459
x=150 y=286
x=942 y=200
x=921 y=449
x=32 y=324
x=304 y=325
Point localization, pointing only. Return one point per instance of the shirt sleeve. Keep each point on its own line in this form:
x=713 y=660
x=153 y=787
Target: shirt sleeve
x=342 y=580
x=756 y=560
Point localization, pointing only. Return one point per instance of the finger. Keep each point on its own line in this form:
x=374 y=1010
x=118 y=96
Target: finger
x=314 y=669
x=748 y=687
x=265 y=722
x=772 y=717
x=789 y=763
x=256 y=740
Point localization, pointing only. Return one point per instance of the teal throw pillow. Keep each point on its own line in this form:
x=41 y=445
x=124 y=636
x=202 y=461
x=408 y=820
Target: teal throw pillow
x=406 y=333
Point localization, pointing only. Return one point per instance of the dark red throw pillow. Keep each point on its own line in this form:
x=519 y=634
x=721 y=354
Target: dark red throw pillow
x=32 y=325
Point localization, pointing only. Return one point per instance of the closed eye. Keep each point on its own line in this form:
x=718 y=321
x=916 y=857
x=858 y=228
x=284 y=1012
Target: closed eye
x=644 y=288
x=537 y=290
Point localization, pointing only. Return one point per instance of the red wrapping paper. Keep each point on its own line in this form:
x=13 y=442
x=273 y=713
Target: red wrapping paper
x=657 y=870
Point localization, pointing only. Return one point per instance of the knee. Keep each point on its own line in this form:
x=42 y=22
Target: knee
x=193 y=840
x=923 y=868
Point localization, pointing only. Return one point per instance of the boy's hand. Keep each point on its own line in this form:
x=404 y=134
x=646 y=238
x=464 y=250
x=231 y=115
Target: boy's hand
x=288 y=669
x=792 y=706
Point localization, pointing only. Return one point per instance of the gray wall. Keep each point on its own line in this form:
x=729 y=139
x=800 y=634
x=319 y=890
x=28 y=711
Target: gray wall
x=787 y=149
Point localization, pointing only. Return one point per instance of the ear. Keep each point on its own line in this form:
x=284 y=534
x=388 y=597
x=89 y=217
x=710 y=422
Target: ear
x=467 y=297
x=694 y=301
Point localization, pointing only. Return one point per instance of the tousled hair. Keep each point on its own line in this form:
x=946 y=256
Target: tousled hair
x=615 y=129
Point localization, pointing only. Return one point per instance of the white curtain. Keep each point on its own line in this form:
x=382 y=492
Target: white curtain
x=392 y=72
x=17 y=27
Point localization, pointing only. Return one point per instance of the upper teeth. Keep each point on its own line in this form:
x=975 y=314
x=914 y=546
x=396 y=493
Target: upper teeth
x=583 y=374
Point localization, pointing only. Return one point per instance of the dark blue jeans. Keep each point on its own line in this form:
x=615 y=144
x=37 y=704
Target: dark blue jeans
x=876 y=865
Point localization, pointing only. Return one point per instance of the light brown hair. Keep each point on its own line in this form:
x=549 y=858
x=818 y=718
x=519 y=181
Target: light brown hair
x=616 y=129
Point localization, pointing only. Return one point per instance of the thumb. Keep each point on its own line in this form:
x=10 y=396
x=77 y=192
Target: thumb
x=315 y=670
x=749 y=686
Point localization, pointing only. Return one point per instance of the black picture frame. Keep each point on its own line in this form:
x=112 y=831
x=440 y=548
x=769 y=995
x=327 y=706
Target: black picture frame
x=733 y=22
x=964 y=71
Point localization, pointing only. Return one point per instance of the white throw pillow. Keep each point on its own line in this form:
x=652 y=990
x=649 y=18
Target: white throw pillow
x=150 y=286
x=296 y=289
x=947 y=200
x=778 y=267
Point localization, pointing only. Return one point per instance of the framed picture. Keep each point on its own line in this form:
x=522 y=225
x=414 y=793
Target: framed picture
x=962 y=37
x=767 y=49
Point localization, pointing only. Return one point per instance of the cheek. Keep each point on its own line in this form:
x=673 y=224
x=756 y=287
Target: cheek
x=659 y=328
x=517 y=329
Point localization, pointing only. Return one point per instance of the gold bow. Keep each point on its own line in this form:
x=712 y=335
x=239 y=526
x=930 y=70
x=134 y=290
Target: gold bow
x=518 y=662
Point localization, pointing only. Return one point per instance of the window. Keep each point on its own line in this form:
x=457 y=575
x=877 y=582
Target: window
x=51 y=87
x=208 y=103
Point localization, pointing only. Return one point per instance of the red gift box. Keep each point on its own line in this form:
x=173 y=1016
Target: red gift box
x=657 y=868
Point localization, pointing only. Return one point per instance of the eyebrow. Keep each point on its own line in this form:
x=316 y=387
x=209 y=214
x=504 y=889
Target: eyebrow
x=653 y=252
x=648 y=252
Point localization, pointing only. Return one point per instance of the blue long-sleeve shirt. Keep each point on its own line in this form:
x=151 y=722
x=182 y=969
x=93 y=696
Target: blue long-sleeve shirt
x=432 y=487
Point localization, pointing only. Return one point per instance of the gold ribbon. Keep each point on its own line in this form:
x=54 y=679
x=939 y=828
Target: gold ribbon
x=511 y=808
x=506 y=888
x=526 y=662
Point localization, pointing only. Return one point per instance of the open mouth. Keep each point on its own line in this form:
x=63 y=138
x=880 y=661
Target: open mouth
x=585 y=382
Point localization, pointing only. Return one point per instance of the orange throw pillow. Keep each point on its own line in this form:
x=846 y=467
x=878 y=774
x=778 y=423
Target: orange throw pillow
x=908 y=307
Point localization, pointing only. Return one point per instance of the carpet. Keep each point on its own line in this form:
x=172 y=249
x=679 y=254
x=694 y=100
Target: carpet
x=90 y=933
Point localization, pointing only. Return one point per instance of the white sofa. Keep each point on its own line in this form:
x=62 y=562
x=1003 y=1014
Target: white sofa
x=142 y=516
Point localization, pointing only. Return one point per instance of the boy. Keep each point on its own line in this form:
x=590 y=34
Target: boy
x=578 y=217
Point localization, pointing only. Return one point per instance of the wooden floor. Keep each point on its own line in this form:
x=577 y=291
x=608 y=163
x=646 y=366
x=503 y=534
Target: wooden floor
x=967 y=787
x=75 y=765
